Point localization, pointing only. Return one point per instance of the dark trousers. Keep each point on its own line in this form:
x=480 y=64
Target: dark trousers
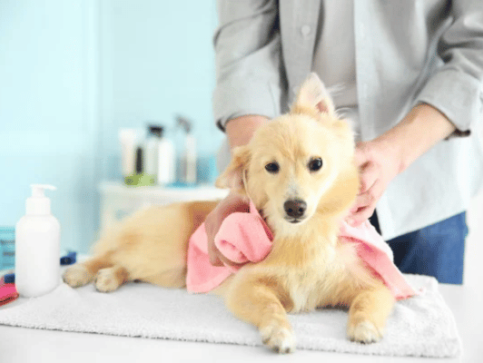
x=436 y=250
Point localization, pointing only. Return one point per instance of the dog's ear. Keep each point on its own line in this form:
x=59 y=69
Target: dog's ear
x=313 y=96
x=234 y=175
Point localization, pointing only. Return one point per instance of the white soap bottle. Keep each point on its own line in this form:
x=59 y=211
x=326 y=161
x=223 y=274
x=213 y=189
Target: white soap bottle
x=37 y=246
x=188 y=161
x=151 y=150
x=166 y=160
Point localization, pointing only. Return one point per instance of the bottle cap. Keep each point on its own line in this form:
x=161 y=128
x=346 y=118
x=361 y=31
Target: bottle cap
x=38 y=203
x=156 y=130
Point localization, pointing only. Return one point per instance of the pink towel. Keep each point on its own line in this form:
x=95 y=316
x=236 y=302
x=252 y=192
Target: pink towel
x=377 y=254
x=245 y=237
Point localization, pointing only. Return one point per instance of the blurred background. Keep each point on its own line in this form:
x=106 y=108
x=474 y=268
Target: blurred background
x=73 y=72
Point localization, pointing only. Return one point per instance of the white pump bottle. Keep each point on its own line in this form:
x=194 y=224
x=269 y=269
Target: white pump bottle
x=37 y=246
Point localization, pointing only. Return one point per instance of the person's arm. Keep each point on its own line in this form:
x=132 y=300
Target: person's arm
x=456 y=89
x=448 y=105
x=420 y=130
x=249 y=86
x=381 y=159
x=249 y=70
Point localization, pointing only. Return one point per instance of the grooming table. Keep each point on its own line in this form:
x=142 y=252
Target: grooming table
x=53 y=345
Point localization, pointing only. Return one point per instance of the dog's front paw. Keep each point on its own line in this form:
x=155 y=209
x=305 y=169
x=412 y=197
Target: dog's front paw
x=77 y=275
x=280 y=339
x=106 y=280
x=364 y=332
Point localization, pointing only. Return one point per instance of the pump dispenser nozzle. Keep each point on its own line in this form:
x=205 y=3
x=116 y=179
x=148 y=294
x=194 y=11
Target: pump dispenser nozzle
x=38 y=203
x=38 y=189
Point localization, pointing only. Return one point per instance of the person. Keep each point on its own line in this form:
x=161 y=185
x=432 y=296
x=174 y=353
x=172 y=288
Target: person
x=408 y=73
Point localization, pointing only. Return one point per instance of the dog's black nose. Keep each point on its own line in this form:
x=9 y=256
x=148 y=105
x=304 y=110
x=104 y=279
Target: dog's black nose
x=295 y=208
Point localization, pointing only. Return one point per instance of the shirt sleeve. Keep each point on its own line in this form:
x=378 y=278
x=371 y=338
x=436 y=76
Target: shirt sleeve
x=456 y=88
x=249 y=72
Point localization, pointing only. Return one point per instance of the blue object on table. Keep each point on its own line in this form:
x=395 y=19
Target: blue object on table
x=9 y=278
x=7 y=247
x=181 y=185
x=69 y=259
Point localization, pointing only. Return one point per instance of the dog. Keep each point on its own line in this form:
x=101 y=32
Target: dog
x=299 y=171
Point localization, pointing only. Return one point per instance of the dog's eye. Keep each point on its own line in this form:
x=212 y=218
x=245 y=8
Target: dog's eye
x=272 y=168
x=315 y=164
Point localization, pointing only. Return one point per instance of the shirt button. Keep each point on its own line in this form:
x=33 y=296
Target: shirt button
x=305 y=30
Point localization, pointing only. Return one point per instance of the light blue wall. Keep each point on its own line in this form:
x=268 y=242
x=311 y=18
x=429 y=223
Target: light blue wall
x=157 y=60
x=73 y=72
x=46 y=135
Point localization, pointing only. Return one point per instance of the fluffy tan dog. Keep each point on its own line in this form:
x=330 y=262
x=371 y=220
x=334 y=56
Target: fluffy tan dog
x=299 y=171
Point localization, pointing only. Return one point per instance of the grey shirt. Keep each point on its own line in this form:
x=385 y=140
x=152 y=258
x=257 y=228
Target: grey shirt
x=407 y=52
x=335 y=58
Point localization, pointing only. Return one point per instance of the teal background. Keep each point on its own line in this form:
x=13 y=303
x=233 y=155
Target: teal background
x=73 y=72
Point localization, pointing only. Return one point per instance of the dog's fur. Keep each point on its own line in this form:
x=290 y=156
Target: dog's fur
x=308 y=266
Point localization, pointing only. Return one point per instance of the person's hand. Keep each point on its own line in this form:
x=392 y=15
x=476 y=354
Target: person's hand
x=378 y=164
x=232 y=203
x=381 y=159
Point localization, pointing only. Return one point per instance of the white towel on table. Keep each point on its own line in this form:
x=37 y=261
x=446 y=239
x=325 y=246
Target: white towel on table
x=419 y=326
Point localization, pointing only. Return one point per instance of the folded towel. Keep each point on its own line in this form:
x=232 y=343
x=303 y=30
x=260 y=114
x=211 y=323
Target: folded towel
x=242 y=238
x=245 y=237
x=420 y=326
